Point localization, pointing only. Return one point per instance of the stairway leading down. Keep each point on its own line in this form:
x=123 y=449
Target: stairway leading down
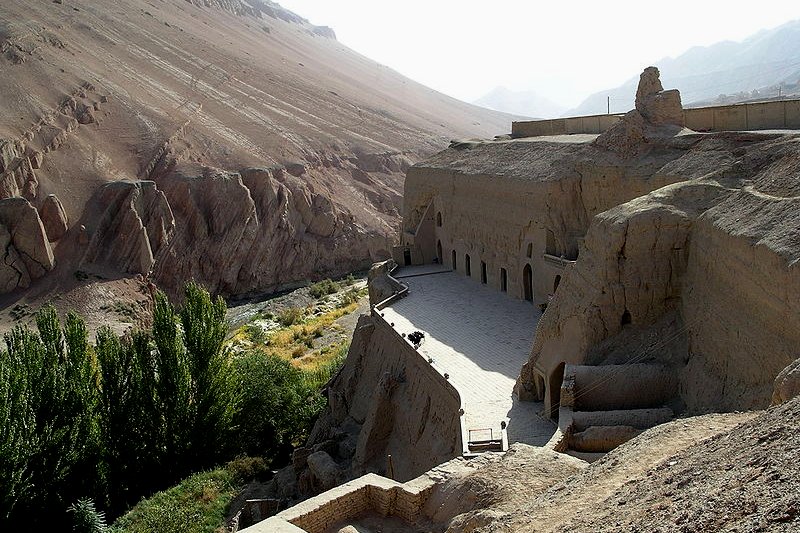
x=605 y=406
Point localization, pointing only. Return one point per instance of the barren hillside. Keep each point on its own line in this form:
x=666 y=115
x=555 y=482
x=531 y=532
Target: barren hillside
x=171 y=101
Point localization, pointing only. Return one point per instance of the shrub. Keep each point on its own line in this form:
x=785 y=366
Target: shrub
x=290 y=315
x=323 y=288
x=87 y=519
x=278 y=406
x=244 y=469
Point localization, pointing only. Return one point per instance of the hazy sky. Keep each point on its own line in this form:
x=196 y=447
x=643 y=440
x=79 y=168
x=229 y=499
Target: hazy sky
x=563 y=50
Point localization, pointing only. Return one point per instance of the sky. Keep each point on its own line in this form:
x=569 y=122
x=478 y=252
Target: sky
x=563 y=50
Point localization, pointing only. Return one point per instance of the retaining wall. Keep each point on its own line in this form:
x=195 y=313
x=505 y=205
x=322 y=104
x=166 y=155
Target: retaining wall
x=780 y=114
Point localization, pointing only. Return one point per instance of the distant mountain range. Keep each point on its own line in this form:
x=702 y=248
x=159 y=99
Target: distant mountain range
x=763 y=65
x=525 y=103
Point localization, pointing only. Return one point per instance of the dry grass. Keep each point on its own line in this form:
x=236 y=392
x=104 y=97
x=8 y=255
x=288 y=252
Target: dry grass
x=295 y=342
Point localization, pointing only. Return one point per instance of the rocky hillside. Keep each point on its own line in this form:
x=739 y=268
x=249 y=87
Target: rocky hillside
x=222 y=140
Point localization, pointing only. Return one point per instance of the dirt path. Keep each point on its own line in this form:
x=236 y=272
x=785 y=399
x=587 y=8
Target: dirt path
x=582 y=494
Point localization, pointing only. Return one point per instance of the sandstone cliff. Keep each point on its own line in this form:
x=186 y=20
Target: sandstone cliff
x=671 y=277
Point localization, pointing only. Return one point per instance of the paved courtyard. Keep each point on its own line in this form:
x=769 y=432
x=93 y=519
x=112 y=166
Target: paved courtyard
x=481 y=338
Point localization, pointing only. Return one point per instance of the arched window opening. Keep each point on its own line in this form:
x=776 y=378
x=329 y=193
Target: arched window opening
x=483 y=272
x=503 y=280
x=467 y=265
x=439 y=219
x=453 y=263
x=527 y=282
x=550 y=245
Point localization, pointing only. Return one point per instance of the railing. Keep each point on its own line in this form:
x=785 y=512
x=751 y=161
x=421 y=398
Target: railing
x=402 y=293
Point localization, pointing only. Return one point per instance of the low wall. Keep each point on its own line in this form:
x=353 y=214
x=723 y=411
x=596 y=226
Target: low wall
x=369 y=493
x=780 y=114
x=564 y=126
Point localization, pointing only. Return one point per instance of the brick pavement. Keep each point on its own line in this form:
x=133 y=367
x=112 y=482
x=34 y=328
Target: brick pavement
x=481 y=338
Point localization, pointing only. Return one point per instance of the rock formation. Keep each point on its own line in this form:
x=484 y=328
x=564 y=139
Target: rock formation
x=657 y=106
x=27 y=254
x=658 y=113
x=129 y=223
x=54 y=218
x=787 y=383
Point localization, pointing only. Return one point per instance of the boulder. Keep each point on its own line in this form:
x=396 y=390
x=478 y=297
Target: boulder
x=54 y=218
x=787 y=383
x=324 y=469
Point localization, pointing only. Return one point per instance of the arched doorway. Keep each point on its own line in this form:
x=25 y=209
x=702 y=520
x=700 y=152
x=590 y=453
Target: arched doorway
x=503 y=280
x=527 y=282
x=483 y=272
x=467 y=266
x=439 y=252
x=453 y=261
x=554 y=390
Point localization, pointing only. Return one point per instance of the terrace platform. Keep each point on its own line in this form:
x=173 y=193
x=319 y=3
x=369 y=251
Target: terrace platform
x=481 y=338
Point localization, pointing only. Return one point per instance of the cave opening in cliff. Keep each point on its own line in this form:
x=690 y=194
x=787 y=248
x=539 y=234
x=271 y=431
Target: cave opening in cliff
x=527 y=281
x=554 y=390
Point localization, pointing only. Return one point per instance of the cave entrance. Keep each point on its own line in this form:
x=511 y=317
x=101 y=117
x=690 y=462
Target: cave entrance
x=554 y=390
x=527 y=282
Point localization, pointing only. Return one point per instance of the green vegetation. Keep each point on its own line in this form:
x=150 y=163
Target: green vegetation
x=87 y=519
x=327 y=287
x=291 y=315
x=197 y=505
x=106 y=424
x=88 y=430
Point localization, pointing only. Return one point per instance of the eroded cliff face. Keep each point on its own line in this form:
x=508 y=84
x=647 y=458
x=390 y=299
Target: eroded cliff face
x=702 y=273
